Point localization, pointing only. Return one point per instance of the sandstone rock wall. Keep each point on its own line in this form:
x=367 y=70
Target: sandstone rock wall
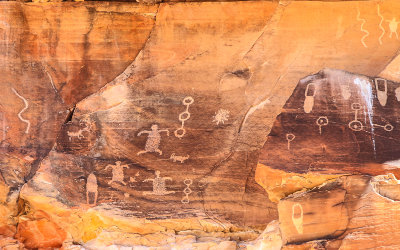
x=166 y=125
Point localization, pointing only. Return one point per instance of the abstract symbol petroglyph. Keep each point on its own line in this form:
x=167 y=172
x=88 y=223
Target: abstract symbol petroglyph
x=3 y=125
x=91 y=187
x=184 y=116
x=322 y=121
x=346 y=93
x=397 y=91
x=362 y=28
x=393 y=24
x=117 y=172
x=153 y=140
x=28 y=123
x=176 y=158
x=298 y=219
x=380 y=25
x=79 y=133
x=158 y=185
x=355 y=124
x=289 y=137
x=387 y=127
x=309 y=101
x=221 y=116
x=187 y=191
x=382 y=94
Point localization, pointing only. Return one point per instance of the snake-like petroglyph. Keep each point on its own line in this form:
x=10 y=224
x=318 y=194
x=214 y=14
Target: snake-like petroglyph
x=23 y=110
x=380 y=25
x=362 y=28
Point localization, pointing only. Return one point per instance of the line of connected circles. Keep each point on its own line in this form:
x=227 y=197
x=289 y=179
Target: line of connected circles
x=184 y=116
x=187 y=190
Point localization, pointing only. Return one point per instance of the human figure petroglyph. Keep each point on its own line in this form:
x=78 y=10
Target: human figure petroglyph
x=393 y=25
x=184 y=116
x=117 y=172
x=176 y=158
x=159 y=185
x=153 y=140
x=297 y=220
x=187 y=191
x=91 y=187
x=28 y=123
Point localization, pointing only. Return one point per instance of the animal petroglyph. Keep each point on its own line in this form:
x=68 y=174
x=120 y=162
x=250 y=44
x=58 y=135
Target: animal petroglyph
x=28 y=123
x=176 y=158
x=362 y=28
x=117 y=172
x=322 y=121
x=380 y=25
x=79 y=133
x=187 y=191
x=159 y=185
x=309 y=101
x=153 y=140
x=289 y=137
x=91 y=187
x=393 y=25
x=184 y=116
x=382 y=94
x=297 y=217
x=221 y=116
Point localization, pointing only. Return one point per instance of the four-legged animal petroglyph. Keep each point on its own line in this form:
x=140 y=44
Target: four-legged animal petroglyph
x=117 y=172
x=91 y=187
x=158 y=185
x=153 y=140
x=184 y=116
x=176 y=158
x=79 y=133
x=28 y=123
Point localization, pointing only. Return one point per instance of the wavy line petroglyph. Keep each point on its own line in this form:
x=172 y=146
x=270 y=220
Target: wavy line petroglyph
x=380 y=25
x=23 y=110
x=362 y=28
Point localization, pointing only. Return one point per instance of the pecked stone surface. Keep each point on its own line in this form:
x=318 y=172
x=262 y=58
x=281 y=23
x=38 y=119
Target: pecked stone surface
x=166 y=153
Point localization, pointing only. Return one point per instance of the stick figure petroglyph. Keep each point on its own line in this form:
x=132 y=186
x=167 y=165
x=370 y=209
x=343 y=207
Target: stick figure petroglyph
x=309 y=101
x=322 y=121
x=393 y=24
x=187 y=191
x=91 y=187
x=158 y=185
x=289 y=137
x=28 y=123
x=176 y=158
x=184 y=116
x=297 y=220
x=117 y=172
x=153 y=140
